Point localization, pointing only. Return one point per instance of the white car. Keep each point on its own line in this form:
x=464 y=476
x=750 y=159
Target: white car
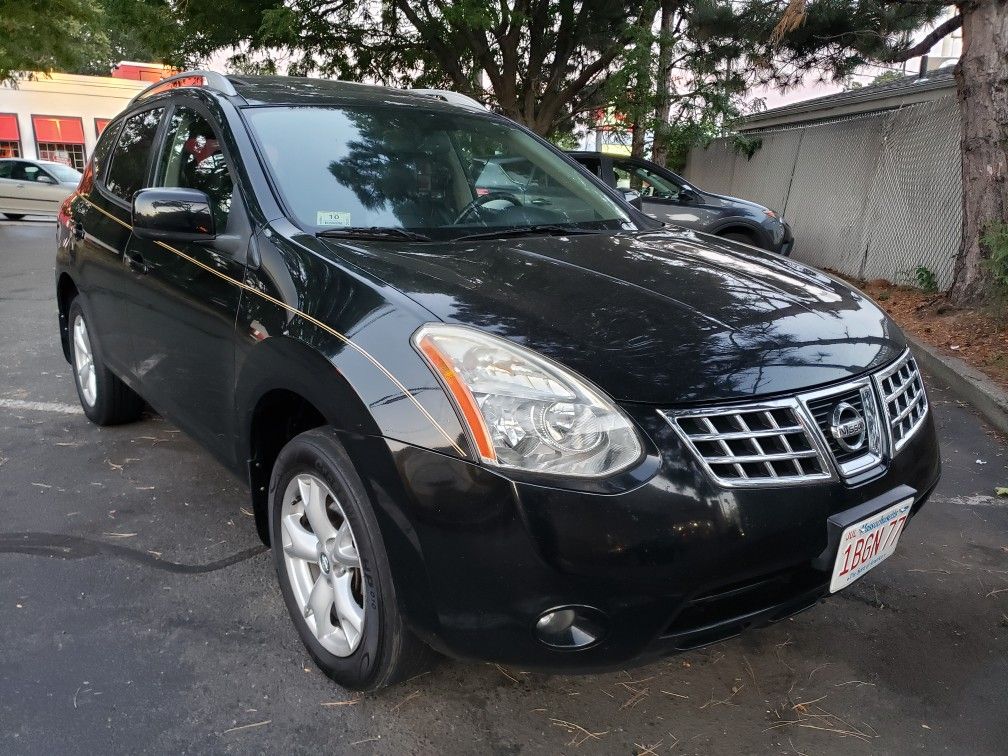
x=34 y=187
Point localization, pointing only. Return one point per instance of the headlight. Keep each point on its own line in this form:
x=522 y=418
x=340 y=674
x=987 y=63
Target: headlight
x=524 y=411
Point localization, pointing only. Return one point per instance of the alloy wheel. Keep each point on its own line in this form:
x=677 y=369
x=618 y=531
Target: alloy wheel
x=84 y=365
x=323 y=564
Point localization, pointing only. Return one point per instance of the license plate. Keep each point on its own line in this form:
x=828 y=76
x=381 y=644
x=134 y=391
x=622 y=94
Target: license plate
x=866 y=544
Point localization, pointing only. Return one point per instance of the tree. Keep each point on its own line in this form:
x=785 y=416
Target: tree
x=982 y=91
x=30 y=41
x=544 y=61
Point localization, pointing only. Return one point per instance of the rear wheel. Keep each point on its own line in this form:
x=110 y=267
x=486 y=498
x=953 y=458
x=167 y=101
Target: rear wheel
x=332 y=567
x=14 y=216
x=105 y=399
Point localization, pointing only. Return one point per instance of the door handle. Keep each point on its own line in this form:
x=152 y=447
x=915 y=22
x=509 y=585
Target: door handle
x=540 y=201
x=135 y=262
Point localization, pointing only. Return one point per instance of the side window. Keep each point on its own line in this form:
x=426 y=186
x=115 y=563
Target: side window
x=128 y=171
x=193 y=158
x=102 y=151
x=592 y=164
x=37 y=174
x=630 y=176
x=7 y=169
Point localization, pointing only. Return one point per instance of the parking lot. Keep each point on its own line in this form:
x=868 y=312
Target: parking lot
x=140 y=613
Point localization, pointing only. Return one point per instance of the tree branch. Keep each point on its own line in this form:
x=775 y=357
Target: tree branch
x=941 y=31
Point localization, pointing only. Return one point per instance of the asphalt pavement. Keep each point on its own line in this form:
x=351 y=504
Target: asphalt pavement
x=139 y=613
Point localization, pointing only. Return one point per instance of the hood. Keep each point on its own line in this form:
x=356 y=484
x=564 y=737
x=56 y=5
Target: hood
x=734 y=202
x=661 y=317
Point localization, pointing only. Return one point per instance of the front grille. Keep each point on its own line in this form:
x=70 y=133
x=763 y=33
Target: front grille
x=764 y=445
x=822 y=413
x=790 y=441
x=903 y=399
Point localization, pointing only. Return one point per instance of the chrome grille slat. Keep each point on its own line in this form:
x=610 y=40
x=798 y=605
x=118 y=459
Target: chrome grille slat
x=760 y=458
x=747 y=434
x=904 y=401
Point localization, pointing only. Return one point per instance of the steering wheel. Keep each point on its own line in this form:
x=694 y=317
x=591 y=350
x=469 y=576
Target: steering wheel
x=482 y=200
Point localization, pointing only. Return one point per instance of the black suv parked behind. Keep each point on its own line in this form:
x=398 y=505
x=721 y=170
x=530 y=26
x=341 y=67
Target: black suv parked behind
x=668 y=197
x=549 y=434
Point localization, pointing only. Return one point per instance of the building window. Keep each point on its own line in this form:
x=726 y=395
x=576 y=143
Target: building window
x=60 y=139
x=10 y=136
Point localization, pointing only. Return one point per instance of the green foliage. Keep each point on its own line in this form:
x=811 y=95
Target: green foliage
x=925 y=279
x=31 y=39
x=995 y=242
x=743 y=144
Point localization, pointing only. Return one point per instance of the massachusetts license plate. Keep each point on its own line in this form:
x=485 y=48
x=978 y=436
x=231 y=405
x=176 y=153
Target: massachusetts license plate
x=866 y=544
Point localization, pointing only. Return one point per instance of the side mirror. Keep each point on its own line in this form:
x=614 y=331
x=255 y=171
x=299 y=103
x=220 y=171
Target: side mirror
x=632 y=196
x=43 y=179
x=173 y=214
x=687 y=196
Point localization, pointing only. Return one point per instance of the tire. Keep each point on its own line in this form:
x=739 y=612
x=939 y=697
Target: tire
x=14 y=216
x=314 y=475
x=105 y=399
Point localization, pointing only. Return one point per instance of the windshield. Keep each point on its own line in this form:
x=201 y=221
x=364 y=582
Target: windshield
x=63 y=173
x=440 y=174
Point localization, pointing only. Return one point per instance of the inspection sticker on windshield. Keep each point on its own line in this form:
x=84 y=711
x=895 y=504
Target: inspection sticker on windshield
x=332 y=218
x=866 y=544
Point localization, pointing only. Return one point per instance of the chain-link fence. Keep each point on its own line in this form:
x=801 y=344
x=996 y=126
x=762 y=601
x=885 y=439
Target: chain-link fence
x=874 y=196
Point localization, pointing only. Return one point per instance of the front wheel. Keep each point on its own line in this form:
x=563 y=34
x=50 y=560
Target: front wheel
x=332 y=567
x=105 y=399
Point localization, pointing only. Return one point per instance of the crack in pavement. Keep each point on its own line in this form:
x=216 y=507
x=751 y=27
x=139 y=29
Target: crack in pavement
x=78 y=547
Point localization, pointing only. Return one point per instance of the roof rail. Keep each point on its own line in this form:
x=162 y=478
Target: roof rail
x=453 y=98
x=205 y=79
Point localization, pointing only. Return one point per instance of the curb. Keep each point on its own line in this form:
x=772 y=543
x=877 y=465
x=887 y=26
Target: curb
x=968 y=383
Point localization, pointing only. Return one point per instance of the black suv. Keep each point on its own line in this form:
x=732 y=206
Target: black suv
x=668 y=197
x=553 y=435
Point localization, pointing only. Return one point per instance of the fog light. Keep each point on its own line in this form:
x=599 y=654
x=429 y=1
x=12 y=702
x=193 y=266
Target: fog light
x=571 y=626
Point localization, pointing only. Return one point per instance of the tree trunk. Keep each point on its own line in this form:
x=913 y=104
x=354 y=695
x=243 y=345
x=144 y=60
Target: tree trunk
x=639 y=127
x=982 y=91
x=663 y=94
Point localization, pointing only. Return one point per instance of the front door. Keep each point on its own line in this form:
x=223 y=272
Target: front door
x=44 y=191
x=183 y=322
x=661 y=196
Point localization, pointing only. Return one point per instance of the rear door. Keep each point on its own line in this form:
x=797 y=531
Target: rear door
x=101 y=223
x=183 y=317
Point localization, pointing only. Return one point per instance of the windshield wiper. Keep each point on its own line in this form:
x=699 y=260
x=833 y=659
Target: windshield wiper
x=372 y=233
x=545 y=229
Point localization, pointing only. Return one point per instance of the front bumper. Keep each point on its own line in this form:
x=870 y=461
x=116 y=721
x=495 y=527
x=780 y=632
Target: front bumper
x=787 y=243
x=673 y=563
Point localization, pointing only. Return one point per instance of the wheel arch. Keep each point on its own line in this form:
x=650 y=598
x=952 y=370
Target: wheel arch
x=280 y=394
x=742 y=226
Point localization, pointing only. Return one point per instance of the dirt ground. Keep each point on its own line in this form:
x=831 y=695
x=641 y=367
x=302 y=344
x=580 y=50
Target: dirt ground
x=976 y=337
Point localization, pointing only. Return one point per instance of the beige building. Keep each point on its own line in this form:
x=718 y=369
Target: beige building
x=59 y=116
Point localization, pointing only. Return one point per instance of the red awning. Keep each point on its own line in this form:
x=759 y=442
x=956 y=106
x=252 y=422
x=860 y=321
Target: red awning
x=100 y=124
x=9 y=128
x=58 y=129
